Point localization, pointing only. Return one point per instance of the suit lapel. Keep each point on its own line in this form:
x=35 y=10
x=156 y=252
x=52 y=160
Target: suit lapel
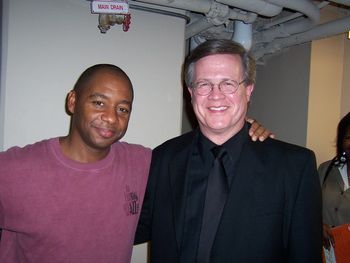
x=178 y=169
x=248 y=167
x=247 y=173
x=336 y=177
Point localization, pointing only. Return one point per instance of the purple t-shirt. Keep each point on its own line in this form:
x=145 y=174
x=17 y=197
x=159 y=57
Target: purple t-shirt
x=53 y=209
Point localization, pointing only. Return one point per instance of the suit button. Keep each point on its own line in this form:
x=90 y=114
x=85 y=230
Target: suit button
x=336 y=209
x=342 y=192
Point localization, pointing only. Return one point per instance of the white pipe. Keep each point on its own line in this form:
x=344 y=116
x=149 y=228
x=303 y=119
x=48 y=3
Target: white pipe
x=200 y=6
x=243 y=34
x=303 y=6
x=219 y=14
x=343 y=2
x=197 y=27
x=284 y=30
x=195 y=41
x=332 y=28
x=257 y=6
x=300 y=25
x=291 y=17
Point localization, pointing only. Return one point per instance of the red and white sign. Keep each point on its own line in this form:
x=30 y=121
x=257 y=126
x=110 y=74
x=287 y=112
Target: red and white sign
x=110 y=7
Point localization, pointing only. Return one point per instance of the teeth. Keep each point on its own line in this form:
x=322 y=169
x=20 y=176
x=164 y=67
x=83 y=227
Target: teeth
x=218 y=108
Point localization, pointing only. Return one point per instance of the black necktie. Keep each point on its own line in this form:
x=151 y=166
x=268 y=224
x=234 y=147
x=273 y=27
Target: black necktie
x=215 y=199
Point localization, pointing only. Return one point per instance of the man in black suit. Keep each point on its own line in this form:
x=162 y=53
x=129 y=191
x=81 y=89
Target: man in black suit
x=266 y=207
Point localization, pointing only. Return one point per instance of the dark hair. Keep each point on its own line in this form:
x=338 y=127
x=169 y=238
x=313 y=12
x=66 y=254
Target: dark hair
x=343 y=125
x=220 y=46
x=339 y=159
x=90 y=72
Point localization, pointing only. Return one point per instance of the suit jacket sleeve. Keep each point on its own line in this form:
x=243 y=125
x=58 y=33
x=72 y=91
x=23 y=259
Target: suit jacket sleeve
x=305 y=244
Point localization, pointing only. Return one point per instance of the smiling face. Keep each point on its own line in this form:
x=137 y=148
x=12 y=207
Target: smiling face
x=220 y=116
x=100 y=111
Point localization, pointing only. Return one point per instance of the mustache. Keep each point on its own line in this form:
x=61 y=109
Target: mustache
x=104 y=126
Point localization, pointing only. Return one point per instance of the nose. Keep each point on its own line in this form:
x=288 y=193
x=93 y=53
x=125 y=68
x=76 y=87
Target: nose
x=109 y=115
x=216 y=92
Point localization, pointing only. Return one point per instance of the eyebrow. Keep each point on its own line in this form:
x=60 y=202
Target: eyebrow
x=221 y=80
x=97 y=95
x=102 y=96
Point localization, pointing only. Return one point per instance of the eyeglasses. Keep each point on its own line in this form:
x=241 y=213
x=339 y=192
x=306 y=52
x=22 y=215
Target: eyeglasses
x=226 y=86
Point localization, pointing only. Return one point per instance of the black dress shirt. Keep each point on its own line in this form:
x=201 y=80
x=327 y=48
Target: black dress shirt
x=200 y=164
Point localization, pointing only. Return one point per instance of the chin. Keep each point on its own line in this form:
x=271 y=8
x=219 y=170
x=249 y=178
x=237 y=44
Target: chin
x=218 y=126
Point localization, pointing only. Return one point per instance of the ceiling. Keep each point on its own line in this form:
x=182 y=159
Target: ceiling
x=265 y=26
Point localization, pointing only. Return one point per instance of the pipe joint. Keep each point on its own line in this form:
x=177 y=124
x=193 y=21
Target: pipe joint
x=218 y=14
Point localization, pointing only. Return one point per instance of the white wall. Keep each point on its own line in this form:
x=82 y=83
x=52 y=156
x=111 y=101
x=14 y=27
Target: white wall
x=329 y=98
x=345 y=97
x=48 y=43
x=325 y=96
x=303 y=92
x=280 y=98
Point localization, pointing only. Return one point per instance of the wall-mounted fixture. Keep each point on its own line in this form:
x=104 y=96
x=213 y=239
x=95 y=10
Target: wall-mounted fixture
x=110 y=13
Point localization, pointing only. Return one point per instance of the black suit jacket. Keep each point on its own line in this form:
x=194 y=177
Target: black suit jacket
x=273 y=211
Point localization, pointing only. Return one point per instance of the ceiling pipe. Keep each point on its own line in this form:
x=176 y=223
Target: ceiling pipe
x=332 y=28
x=291 y=17
x=306 y=7
x=200 y=6
x=256 y=6
x=297 y=26
x=137 y=6
x=195 y=41
x=243 y=34
x=218 y=15
x=342 y=2
x=283 y=30
x=196 y=27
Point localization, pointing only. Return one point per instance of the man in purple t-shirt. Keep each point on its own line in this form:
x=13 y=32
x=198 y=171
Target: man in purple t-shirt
x=77 y=198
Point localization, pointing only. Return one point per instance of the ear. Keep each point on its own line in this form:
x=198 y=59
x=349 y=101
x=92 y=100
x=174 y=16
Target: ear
x=71 y=101
x=190 y=90
x=249 y=90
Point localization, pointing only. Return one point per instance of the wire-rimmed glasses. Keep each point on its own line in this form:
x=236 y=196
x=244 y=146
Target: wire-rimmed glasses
x=226 y=86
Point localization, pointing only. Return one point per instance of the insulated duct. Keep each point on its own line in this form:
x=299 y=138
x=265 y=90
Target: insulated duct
x=332 y=28
x=243 y=34
x=272 y=29
x=256 y=6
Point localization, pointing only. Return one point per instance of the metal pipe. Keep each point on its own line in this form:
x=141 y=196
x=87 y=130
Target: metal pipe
x=159 y=11
x=324 y=30
x=243 y=34
x=257 y=6
x=300 y=25
x=343 y=2
x=332 y=28
x=196 y=27
x=219 y=14
x=303 y=6
x=291 y=17
x=200 y=6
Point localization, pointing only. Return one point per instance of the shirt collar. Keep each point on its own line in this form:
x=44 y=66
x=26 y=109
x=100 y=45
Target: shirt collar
x=233 y=145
